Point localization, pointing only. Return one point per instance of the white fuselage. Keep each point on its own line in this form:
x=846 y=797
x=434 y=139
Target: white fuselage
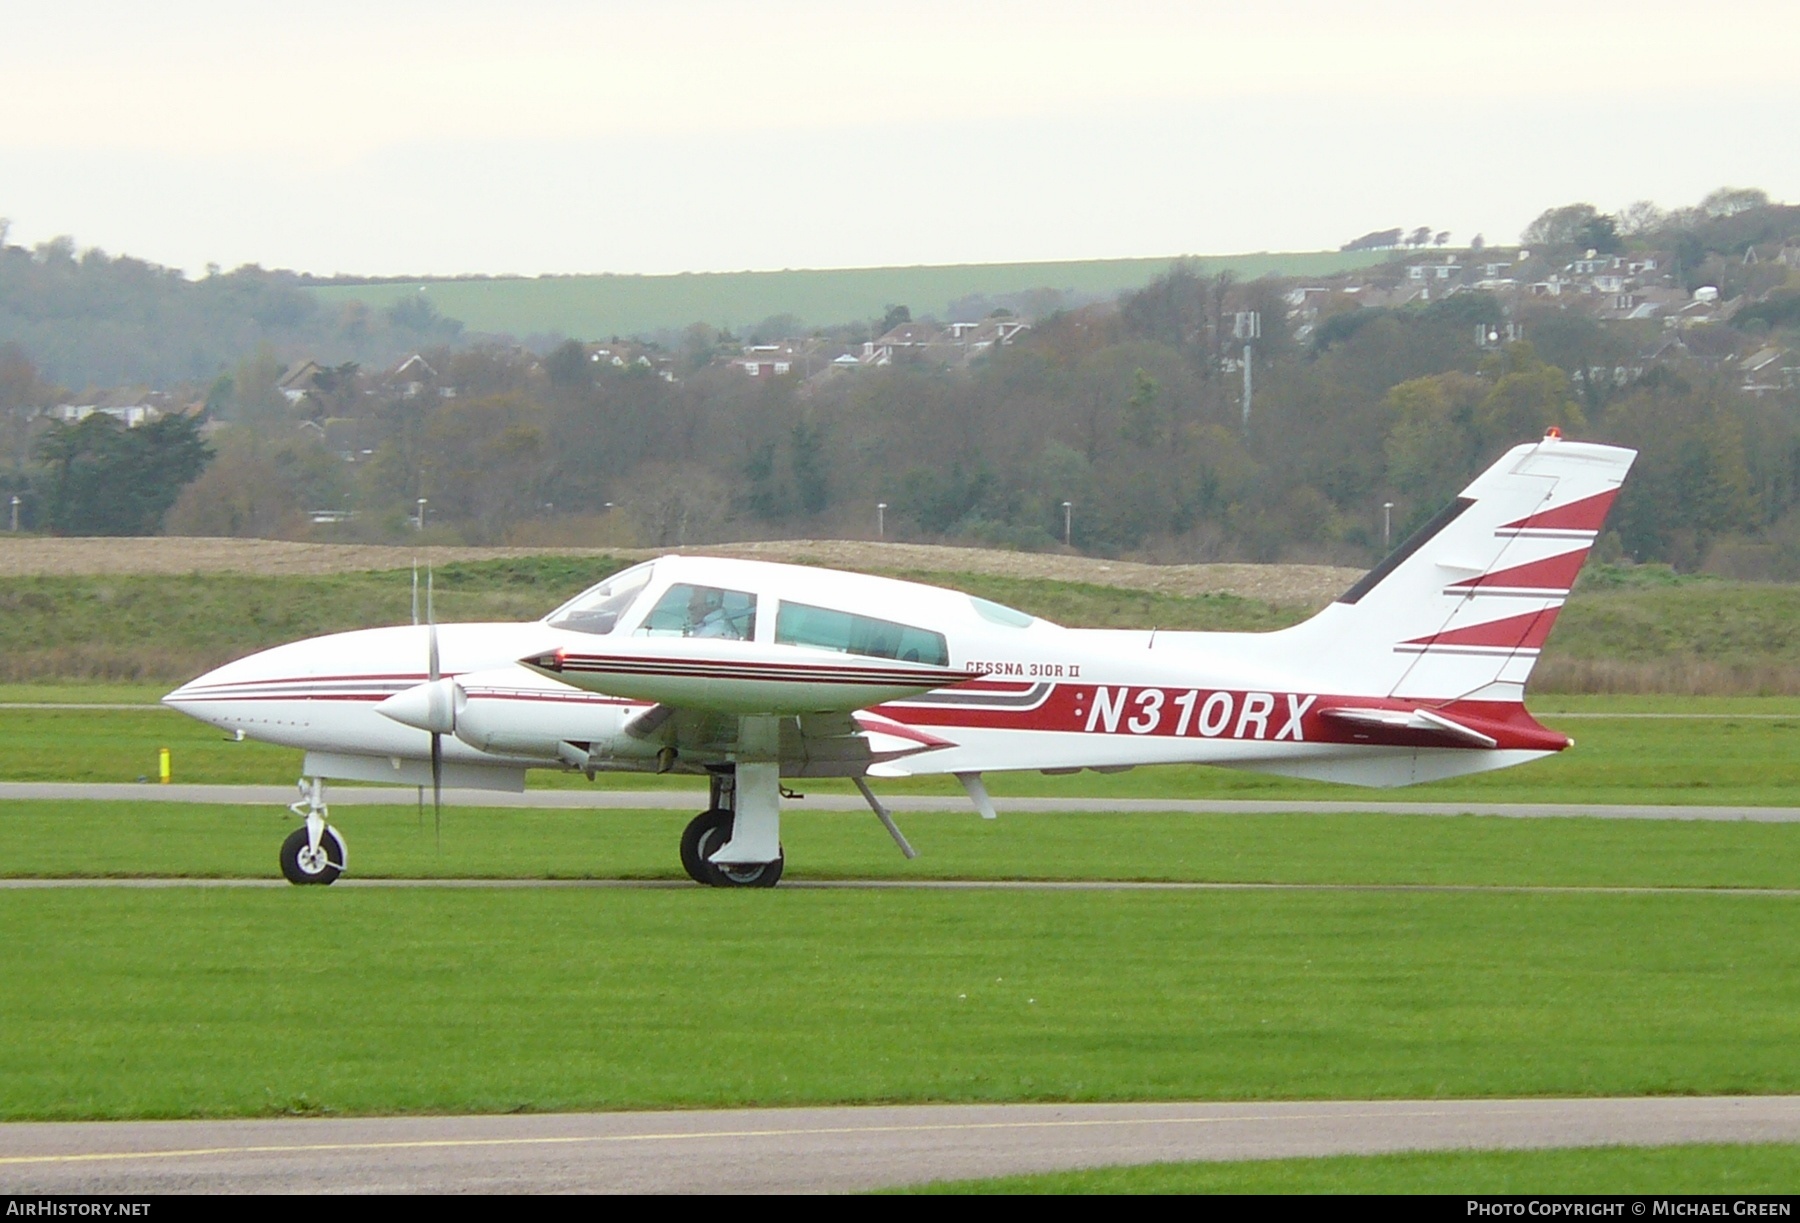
x=1041 y=696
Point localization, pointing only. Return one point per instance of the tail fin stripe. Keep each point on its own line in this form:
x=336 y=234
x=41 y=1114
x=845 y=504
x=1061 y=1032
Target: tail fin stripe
x=1584 y=516
x=1524 y=632
x=1552 y=575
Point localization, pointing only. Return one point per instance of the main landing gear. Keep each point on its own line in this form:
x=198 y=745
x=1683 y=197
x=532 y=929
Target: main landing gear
x=314 y=853
x=712 y=831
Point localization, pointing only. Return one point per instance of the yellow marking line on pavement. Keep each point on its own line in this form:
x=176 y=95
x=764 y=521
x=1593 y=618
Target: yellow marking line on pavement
x=946 y=1127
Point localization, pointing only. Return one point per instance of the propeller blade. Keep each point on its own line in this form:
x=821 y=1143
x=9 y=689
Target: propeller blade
x=431 y=632
x=415 y=590
x=437 y=740
x=437 y=789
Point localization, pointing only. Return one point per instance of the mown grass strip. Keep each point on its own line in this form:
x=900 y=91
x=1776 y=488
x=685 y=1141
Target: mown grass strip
x=1715 y=761
x=194 y=1002
x=1695 y=1168
x=75 y=839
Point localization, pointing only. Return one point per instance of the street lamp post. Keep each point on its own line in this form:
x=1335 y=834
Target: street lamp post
x=1068 y=523
x=1247 y=326
x=1387 y=525
x=881 y=520
x=421 y=520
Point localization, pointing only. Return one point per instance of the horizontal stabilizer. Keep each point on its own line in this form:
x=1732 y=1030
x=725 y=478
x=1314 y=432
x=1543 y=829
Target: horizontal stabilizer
x=1420 y=720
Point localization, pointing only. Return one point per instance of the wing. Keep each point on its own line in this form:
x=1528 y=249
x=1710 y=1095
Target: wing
x=741 y=677
x=836 y=744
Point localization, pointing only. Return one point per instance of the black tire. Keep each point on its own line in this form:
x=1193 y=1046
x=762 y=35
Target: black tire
x=295 y=862
x=705 y=833
x=715 y=822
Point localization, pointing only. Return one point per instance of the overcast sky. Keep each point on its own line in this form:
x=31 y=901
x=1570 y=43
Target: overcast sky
x=698 y=135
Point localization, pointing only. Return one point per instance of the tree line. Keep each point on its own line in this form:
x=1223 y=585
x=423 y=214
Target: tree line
x=1120 y=424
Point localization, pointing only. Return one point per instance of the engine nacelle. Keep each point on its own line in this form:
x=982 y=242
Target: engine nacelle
x=510 y=712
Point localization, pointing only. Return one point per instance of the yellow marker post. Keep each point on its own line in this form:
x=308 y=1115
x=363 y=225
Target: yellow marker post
x=162 y=764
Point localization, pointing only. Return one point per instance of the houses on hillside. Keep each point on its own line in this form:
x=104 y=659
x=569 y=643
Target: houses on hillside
x=925 y=343
x=1642 y=293
x=131 y=407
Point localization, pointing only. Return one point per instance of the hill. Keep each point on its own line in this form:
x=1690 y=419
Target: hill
x=597 y=307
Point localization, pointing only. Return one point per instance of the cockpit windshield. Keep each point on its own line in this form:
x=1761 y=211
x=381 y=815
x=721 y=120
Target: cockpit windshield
x=598 y=609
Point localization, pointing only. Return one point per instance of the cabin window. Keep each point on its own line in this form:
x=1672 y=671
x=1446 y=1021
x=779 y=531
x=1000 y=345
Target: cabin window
x=798 y=624
x=598 y=609
x=702 y=611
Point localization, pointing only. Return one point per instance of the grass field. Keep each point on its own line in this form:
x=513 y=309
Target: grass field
x=1624 y=631
x=1772 y=1168
x=75 y=839
x=597 y=307
x=186 y=1002
x=195 y=1002
x=1746 y=752
x=168 y=628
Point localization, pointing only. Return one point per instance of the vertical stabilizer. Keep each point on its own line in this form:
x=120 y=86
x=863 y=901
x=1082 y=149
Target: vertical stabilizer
x=1461 y=610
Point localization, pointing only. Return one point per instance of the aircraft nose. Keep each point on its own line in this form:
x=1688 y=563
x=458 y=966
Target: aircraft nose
x=191 y=693
x=192 y=699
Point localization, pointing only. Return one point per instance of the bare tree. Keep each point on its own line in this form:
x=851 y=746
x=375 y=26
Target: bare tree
x=1558 y=226
x=1640 y=217
x=1729 y=201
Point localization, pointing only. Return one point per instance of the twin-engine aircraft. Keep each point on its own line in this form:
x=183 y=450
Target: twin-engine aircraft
x=747 y=673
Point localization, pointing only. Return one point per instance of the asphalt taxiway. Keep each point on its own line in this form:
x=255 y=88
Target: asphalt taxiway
x=818 y=1150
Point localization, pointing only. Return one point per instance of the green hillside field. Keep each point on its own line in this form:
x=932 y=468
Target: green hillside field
x=597 y=307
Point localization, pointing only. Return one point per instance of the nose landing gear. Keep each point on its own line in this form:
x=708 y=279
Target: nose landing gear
x=316 y=852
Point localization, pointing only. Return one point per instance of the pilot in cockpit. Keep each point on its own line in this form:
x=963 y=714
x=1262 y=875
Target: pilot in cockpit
x=707 y=616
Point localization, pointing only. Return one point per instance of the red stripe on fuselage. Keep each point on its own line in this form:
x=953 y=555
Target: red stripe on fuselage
x=1199 y=713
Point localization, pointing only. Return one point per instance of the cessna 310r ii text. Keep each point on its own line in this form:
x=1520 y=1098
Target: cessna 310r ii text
x=748 y=672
